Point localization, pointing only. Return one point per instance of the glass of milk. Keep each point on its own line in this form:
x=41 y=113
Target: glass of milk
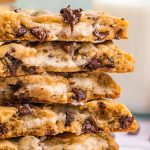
x=135 y=86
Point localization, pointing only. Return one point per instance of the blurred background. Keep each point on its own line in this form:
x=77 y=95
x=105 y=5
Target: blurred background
x=53 y=5
x=135 y=86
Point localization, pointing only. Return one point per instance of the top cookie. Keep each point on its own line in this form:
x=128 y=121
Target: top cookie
x=69 y=25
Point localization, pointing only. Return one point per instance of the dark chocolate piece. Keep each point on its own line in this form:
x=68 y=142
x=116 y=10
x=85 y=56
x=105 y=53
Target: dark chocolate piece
x=71 y=16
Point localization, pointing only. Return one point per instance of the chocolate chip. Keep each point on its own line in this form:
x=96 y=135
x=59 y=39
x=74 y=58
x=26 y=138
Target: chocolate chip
x=23 y=110
x=40 y=33
x=21 y=31
x=3 y=129
x=79 y=94
x=100 y=35
x=125 y=121
x=103 y=61
x=89 y=126
x=69 y=118
x=102 y=105
x=14 y=63
x=71 y=16
x=12 y=50
x=17 y=10
x=93 y=64
x=66 y=46
x=118 y=33
x=15 y=87
x=30 y=70
x=108 y=62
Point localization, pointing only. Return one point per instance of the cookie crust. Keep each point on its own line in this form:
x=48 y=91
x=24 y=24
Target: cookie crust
x=45 y=26
x=34 y=57
x=22 y=120
x=61 y=88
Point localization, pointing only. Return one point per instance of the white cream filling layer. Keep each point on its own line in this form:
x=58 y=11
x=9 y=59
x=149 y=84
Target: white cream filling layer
x=42 y=60
x=29 y=142
x=37 y=122
x=87 y=83
x=57 y=89
x=88 y=144
x=81 y=28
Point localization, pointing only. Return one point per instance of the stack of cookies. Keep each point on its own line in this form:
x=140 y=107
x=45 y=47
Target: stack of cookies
x=54 y=90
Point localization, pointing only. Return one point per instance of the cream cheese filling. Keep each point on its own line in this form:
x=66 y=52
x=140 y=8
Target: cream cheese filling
x=57 y=89
x=81 y=28
x=88 y=83
x=37 y=122
x=87 y=144
x=42 y=60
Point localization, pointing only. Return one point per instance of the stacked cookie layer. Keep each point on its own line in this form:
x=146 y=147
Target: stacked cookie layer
x=53 y=80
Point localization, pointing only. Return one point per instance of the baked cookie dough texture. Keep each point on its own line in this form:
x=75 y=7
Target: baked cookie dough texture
x=55 y=93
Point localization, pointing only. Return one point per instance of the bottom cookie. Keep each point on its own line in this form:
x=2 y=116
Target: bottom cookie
x=99 y=141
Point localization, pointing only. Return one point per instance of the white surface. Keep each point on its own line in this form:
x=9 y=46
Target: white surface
x=136 y=86
x=141 y=141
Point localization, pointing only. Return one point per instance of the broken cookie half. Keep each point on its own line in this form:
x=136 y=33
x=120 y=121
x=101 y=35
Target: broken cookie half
x=60 y=88
x=25 y=58
x=92 y=117
x=68 y=25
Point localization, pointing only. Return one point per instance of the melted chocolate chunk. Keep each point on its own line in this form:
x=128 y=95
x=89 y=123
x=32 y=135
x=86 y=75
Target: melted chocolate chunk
x=67 y=46
x=108 y=62
x=14 y=63
x=71 y=48
x=89 y=126
x=126 y=121
x=103 y=61
x=40 y=33
x=12 y=50
x=102 y=105
x=30 y=70
x=23 y=110
x=69 y=118
x=3 y=129
x=93 y=64
x=71 y=16
x=100 y=35
x=15 y=87
x=79 y=94
x=118 y=33
x=21 y=31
